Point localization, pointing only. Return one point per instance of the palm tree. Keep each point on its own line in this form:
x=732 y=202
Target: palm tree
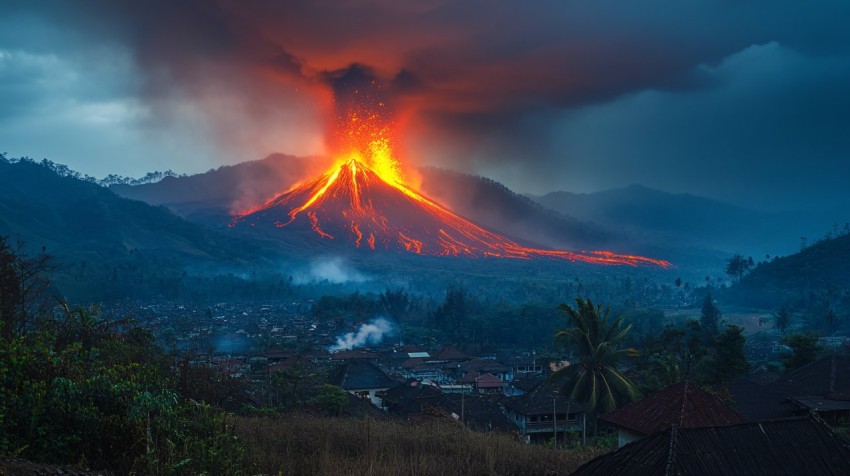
x=594 y=378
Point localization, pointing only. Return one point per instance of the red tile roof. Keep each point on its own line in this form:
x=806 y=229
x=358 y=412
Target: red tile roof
x=684 y=405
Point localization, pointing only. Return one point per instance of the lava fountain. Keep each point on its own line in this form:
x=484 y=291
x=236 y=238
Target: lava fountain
x=364 y=200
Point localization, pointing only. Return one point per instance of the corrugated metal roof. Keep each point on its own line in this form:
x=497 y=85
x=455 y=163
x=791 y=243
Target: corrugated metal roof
x=683 y=404
x=801 y=446
x=540 y=400
x=824 y=378
x=360 y=375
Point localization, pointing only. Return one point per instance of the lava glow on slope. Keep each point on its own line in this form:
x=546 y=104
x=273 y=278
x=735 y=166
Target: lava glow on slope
x=352 y=202
x=363 y=199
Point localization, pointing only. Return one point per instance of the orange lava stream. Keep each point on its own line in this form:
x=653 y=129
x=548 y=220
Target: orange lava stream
x=349 y=187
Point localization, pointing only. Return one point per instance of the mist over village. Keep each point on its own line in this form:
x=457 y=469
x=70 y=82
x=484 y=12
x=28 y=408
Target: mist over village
x=434 y=238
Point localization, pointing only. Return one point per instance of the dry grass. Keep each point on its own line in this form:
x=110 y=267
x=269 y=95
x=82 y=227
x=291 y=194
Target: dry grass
x=295 y=444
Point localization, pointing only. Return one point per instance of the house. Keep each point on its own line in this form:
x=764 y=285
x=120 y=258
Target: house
x=683 y=405
x=822 y=387
x=779 y=447
x=450 y=353
x=475 y=412
x=487 y=383
x=524 y=384
x=525 y=364
x=478 y=366
x=355 y=354
x=409 y=398
x=419 y=369
x=361 y=378
x=418 y=402
x=543 y=413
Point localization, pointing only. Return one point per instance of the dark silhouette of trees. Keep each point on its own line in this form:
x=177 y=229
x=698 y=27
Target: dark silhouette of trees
x=804 y=349
x=23 y=286
x=709 y=317
x=737 y=266
x=729 y=360
x=782 y=319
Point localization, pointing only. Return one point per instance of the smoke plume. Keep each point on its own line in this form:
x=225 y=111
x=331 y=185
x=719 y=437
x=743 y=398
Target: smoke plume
x=372 y=332
x=334 y=270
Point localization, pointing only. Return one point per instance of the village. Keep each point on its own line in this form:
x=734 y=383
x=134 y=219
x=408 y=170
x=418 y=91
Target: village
x=256 y=358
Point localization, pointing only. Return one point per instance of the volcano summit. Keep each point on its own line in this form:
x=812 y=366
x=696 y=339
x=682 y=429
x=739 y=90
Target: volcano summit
x=352 y=203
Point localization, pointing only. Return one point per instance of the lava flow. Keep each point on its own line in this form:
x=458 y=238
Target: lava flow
x=351 y=202
x=364 y=200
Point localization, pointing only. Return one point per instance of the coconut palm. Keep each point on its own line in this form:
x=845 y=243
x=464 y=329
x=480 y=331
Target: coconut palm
x=594 y=379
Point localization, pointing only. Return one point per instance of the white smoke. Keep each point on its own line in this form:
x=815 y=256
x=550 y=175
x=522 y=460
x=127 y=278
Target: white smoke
x=334 y=270
x=372 y=332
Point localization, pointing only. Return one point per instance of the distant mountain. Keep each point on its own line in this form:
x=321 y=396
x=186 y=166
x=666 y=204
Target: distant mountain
x=688 y=219
x=493 y=205
x=96 y=234
x=212 y=196
x=821 y=267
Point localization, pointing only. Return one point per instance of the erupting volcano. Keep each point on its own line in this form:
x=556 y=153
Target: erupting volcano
x=364 y=200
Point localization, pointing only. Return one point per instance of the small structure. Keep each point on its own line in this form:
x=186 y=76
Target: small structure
x=545 y=413
x=487 y=383
x=478 y=366
x=361 y=378
x=779 y=447
x=683 y=405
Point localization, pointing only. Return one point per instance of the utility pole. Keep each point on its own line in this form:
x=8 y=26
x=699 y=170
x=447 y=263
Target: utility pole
x=555 y=420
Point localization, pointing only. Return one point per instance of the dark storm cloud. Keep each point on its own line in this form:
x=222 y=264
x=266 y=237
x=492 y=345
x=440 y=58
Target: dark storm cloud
x=544 y=94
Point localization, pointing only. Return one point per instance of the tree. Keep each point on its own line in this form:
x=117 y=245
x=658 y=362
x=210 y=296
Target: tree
x=396 y=303
x=710 y=317
x=23 y=284
x=684 y=343
x=737 y=266
x=782 y=318
x=451 y=315
x=331 y=399
x=594 y=378
x=804 y=349
x=729 y=360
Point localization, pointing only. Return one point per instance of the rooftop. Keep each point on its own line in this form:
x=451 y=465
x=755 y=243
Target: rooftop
x=683 y=404
x=779 y=447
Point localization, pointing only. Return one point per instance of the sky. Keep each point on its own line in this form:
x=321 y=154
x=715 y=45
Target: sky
x=742 y=101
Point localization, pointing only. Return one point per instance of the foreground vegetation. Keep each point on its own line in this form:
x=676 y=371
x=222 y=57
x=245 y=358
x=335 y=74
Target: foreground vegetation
x=303 y=444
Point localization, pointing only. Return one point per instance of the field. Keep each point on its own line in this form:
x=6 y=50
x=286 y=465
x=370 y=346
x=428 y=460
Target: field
x=296 y=444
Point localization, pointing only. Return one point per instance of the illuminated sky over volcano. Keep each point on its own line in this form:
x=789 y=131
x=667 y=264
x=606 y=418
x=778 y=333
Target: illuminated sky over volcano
x=745 y=102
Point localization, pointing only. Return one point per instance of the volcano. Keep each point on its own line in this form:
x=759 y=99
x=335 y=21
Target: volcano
x=352 y=204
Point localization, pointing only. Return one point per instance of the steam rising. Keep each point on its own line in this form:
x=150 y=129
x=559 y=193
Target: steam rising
x=334 y=270
x=372 y=332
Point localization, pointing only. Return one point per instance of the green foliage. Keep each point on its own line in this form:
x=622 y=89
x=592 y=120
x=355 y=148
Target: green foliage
x=23 y=282
x=782 y=319
x=331 y=399
x=77 y=392
x=293 y=385
x=804 y=349
x=451 y=316
x=737 y=266
x=729 y=360
x=709 y=318
x=593 y=378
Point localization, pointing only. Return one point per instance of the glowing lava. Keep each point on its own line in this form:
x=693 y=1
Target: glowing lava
x=353 y=203
x=364 y=200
